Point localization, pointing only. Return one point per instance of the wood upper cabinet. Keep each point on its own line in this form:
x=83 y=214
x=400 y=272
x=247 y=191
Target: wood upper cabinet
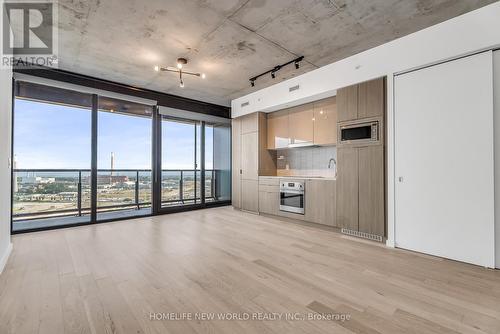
x=301 y=124
x=371 y=190
x=325 y=121
x=236 y=163
x=278 y=133
x=371 y=97
x=347 y=188
x=363 y=100
x=347 y=103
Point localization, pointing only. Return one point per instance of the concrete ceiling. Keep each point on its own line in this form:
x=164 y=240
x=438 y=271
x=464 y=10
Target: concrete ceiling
x=231 y=40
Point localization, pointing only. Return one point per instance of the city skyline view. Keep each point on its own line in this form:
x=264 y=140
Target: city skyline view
x=50 y=136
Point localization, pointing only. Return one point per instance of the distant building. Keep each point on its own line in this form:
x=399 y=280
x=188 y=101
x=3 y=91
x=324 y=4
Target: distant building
x=37 y=180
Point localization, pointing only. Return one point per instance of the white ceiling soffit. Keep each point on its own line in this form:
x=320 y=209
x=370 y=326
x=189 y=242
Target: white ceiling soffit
x=82 y=89
x=231 y=40
x=194 y=116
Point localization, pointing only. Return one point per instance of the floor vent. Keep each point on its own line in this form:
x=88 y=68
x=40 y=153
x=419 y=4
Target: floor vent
x=362 y=235
x=291 y=89
x=244 y=104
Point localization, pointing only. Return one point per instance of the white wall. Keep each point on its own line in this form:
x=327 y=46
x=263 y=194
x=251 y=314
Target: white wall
x=5 y=146
x=469 y=33
x=496 y=117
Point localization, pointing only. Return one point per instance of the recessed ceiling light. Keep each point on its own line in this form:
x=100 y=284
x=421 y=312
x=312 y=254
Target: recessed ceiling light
x=203 y=76
x=157 y=68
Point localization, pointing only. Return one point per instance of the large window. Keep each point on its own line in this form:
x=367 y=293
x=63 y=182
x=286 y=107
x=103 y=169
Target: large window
x=52 y=150
x=82 y=158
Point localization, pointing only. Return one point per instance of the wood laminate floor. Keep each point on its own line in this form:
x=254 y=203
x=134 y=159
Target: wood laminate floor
x=131 y=276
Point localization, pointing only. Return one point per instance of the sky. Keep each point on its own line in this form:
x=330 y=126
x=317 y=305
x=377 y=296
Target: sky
x=59 y=137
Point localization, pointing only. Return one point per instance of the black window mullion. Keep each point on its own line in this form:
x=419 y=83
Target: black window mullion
x=93 y=163
x=202 y=163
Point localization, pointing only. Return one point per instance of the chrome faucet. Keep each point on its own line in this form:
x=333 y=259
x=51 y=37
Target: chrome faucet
x=330 y=165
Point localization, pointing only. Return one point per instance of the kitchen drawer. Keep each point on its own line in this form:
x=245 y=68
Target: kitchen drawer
x=269 y=181
x=269 y=189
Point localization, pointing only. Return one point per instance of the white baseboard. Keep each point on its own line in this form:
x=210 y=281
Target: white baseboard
x=5 y=257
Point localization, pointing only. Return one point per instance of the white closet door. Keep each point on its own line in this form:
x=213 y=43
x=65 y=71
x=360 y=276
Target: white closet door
x=444 y=196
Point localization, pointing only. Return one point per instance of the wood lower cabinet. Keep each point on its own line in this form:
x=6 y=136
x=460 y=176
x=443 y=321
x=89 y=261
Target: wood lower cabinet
x=269 y=202
x=371 y=190
x=325 y=121
x=347 y=188
x=361 y=189
x=320 y=202
x=250 y=195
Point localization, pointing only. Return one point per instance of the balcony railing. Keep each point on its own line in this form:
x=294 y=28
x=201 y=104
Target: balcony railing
x=43 y=193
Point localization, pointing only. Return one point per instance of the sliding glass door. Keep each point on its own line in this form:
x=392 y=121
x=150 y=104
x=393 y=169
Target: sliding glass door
x=180 y=167
x=124 y=187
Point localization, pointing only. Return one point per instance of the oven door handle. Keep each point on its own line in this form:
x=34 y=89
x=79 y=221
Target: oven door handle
x=295 y=192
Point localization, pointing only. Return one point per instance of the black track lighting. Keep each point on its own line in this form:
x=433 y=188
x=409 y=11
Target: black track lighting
x=275 y=69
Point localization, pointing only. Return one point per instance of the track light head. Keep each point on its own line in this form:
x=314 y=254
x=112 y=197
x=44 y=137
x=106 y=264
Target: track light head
x=297 y=65
x=252 y=83
x=273 y=75
x=181 y=84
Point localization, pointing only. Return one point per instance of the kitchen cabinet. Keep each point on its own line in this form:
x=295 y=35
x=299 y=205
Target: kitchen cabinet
x=363 y=100
x=371 y=190
x=325 y=121
x=278 y=133
x=250 y=156
x=347 y=103
x=250 y=123
x=269 y=195
x=320 y=201
x=250 y=159
x=250 y=195
x=236 y=163
x=371 y=97
x=347 y=188
x=301 y=124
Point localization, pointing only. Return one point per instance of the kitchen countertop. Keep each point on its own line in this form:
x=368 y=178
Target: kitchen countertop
x=303 y=177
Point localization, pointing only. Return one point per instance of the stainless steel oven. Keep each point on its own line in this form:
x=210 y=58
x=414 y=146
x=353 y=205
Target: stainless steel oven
x=292 y=196
x=359 y=132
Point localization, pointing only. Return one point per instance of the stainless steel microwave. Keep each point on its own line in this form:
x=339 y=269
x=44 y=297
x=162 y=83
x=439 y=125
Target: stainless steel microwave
x=359 y=132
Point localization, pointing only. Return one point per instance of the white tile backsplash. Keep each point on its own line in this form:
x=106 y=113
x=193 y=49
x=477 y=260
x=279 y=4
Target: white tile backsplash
x=306 y=161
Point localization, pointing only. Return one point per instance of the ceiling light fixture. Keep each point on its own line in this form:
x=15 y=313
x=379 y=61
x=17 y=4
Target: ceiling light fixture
x=275 y=69
x=181 y=62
